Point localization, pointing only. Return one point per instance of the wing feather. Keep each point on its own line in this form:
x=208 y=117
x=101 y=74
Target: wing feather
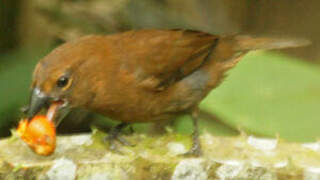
x=162 y=57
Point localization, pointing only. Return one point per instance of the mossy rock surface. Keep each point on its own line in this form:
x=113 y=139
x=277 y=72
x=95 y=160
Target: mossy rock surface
x=85 y=156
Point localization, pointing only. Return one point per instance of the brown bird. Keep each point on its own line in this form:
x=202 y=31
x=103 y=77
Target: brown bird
x=140 y=76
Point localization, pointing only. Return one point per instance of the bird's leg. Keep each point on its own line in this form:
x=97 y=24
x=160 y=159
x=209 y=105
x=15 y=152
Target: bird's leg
x=195 y=149
x=114 y=135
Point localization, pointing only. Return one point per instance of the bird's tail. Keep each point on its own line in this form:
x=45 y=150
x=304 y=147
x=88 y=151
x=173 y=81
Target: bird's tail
x=243 y=44
x=247 y=43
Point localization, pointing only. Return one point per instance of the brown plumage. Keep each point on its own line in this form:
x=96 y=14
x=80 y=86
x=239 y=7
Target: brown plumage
x=140 y=76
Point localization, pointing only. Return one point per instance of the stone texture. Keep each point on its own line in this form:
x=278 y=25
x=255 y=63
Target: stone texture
x=86 y=157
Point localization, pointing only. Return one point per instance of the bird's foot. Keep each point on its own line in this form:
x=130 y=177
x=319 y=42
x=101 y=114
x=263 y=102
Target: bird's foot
x=112 y=140
x=114 y=136
x=195 y=151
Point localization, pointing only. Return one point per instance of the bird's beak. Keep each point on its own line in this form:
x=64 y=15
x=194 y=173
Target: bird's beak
x=37 y=102
x=57 y=110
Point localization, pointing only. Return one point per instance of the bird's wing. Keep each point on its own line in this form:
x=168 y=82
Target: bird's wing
x=161 y=57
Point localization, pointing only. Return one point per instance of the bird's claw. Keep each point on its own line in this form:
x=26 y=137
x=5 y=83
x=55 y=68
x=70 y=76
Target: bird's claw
x=112 y=138
x=123 y=141
x=193 y=152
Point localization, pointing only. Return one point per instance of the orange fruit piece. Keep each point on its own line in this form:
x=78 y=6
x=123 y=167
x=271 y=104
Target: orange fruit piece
x=39 y=133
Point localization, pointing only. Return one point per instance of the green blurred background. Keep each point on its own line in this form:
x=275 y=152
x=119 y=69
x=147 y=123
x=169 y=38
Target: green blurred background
x=267 y=94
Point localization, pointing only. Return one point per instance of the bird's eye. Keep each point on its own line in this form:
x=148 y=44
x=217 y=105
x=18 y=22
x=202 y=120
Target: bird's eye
x=62 y=81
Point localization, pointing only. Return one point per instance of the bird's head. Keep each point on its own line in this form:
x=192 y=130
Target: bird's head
x=61 y=79
x=51 y=86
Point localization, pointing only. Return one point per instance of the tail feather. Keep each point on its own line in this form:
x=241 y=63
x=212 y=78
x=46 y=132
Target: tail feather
x=245 y=43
